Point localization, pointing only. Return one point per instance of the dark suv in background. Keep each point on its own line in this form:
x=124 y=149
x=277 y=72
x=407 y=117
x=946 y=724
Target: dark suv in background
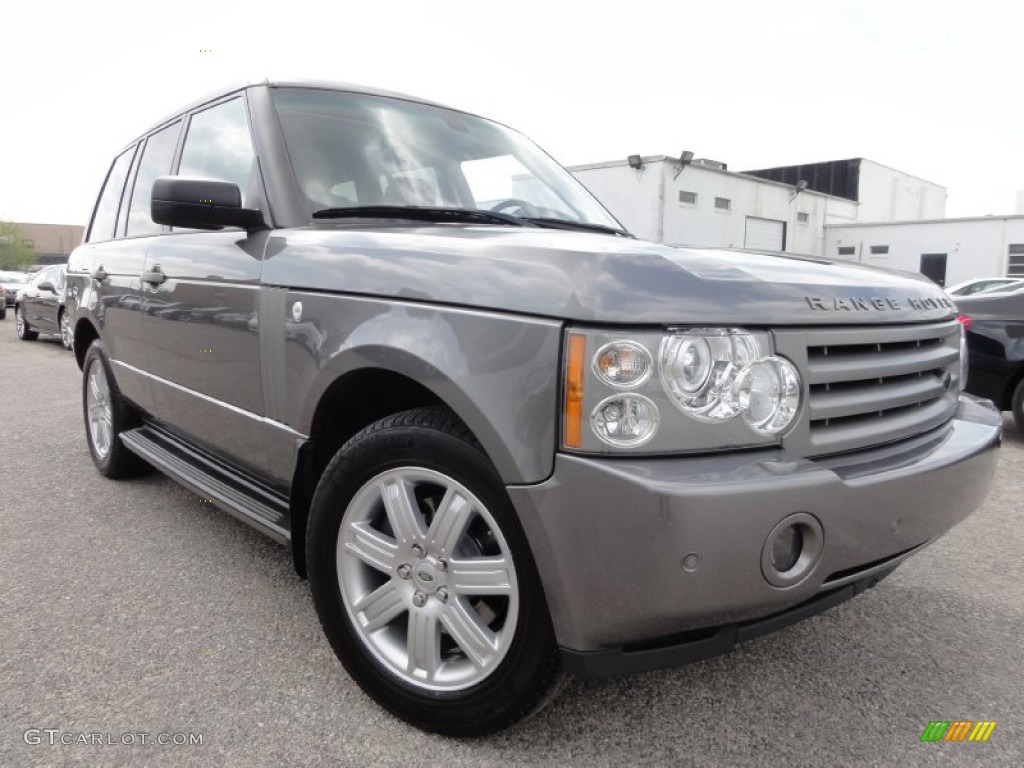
x=503 y=437
x=994 y=321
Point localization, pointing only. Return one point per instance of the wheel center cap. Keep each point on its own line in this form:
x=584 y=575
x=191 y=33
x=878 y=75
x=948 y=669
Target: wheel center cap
x=425 y=577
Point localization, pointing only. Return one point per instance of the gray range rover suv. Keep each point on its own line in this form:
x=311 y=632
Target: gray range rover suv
x=504 y=438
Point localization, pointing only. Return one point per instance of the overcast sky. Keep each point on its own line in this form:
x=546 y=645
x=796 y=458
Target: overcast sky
x=931 y=88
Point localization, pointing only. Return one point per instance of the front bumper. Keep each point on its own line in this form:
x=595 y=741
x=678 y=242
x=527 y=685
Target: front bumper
x=635 y=552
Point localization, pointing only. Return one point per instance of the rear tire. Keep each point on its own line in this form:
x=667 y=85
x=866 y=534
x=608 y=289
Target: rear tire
x=1018 y=405
x=21 y=325
x=107 y=414
x=424 y=581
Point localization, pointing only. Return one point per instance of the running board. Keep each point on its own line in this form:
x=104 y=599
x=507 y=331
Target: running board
x=238 y=494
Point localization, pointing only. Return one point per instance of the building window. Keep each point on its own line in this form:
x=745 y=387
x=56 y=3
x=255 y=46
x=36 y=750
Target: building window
x=687 y=198
x=847 y=250
x=1015 y=266
x=803 y=218
x=879 y=250
x=723 y=203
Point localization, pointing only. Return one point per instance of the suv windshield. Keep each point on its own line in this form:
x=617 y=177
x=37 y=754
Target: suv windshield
x=353 y=150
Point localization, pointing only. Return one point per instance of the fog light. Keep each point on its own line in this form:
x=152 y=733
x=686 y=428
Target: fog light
x=787 y=547
x=792 y=550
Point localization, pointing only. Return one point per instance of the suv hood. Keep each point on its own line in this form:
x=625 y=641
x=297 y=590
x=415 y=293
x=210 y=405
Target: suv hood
x=595 y=278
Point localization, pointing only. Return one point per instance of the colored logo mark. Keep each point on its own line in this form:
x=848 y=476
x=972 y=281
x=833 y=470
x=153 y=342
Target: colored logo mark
x=958 y=730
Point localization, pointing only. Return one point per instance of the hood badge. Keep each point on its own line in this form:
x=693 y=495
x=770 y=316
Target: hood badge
x=875 y=304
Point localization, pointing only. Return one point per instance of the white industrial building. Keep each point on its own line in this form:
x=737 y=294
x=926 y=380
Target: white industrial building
x=700 y=203
x=947 y=250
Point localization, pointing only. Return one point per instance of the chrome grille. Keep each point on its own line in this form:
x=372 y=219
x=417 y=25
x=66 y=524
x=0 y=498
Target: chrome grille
x=867 y=385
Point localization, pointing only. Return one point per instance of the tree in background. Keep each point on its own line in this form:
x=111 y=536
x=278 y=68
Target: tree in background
x=16 y=253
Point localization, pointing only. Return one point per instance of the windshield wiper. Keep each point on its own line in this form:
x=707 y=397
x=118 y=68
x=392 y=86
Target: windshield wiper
x=586 y=226
x=420 y=213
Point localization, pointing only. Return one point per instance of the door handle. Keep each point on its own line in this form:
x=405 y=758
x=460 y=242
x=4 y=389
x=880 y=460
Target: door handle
x=154 y=277
x=99 y=274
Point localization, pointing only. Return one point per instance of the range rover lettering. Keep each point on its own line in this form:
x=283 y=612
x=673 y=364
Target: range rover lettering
x=504 y=439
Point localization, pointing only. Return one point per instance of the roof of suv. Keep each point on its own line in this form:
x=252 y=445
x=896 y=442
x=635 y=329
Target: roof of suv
x=291 y=82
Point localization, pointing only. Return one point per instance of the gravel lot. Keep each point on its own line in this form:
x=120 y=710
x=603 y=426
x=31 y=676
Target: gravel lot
x=131 y=607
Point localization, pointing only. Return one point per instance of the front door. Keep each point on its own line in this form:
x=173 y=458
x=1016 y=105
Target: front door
x=933 y=266
x=34 y=300
x=202 y=293
x=46 y=302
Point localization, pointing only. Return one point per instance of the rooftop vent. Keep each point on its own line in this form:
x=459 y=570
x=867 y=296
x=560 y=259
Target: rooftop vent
x=716 y=164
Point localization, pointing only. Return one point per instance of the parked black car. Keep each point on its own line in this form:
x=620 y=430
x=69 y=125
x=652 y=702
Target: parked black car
x=995 y=343
x=39 y=307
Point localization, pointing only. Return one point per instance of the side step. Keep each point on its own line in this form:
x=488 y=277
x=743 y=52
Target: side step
x=238 y=494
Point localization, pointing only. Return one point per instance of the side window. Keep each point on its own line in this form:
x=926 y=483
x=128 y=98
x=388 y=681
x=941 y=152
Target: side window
x=218 y=146
x=122 y=214
x=156 y=162
x=102 y=227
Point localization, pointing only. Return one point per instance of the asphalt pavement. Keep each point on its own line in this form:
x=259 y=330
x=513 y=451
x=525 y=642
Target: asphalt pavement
x=132 y=609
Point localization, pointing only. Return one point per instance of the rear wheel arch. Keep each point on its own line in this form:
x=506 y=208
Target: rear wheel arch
x=84 y=334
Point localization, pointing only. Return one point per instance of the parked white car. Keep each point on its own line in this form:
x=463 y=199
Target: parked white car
x=977 y=285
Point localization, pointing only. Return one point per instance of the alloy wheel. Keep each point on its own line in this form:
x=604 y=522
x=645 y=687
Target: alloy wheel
x=427 y=579
x=98 y=409
x=65 y=331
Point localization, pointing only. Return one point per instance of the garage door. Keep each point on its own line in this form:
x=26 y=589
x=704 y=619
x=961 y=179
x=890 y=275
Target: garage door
x=765 y=234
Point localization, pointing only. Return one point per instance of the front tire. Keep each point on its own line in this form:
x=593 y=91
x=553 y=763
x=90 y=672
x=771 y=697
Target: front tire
x=1017 y=405
x=423 y=579
x=107 y=415
x=21 y=325
x=65 y=330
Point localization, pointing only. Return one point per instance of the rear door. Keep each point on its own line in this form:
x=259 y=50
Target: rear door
x=201 y=321
x=106 y=272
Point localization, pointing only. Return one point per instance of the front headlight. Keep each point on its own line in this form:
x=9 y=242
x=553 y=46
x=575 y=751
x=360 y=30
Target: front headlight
x=623 y=364
x=767 y=392
x=715 y=388
x=699 y=368
x=625 y=421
